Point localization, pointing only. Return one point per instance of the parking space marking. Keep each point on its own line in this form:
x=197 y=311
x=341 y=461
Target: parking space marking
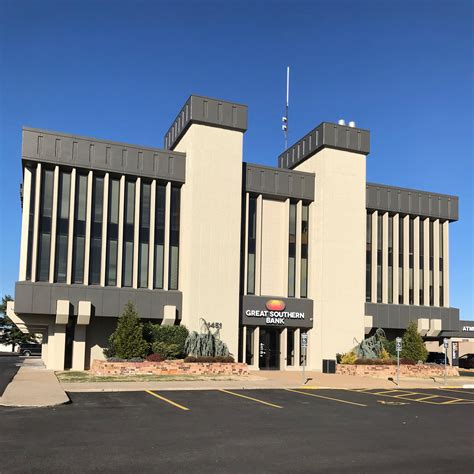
x=250 y=398
x=464 y=392
x=327 y=398
x=177 y=405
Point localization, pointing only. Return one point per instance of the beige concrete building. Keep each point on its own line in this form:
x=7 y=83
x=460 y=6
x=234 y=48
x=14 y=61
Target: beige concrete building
x=294 y=263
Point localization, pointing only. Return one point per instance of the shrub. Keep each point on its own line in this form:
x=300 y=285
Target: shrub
x=154 y=357
x=413 y=347
x=384 y=354
x=390 y=347
x=364 y=361
x=166 y=350
x=205 y=344
x=168 y=341
x=405 y=361
x=209 y=359
x=127 y=342
x=348 y=358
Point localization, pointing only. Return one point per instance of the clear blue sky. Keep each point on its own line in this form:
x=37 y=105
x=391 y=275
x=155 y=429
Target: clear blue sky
x=121 y=71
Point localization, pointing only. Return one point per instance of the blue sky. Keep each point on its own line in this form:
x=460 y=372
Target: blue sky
x=121 y=71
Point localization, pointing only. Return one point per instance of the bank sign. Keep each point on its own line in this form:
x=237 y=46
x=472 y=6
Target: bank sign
x=279 y=312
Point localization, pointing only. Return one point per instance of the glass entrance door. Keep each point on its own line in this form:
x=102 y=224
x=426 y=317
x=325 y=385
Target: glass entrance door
x=269 y=349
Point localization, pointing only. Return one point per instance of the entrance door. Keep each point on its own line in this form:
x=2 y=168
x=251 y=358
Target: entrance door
x=269 y=349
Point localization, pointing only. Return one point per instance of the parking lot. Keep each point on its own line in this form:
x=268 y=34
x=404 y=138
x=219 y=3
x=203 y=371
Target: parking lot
x=298 y=430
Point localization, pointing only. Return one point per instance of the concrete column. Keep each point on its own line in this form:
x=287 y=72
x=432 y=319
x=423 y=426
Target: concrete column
x=34 y=253
x=71 y=226
x=296 y=344
x=87 y=249
x=406 y=260
x=374 y=256
x=84 y=313
x=166 y=259
x=120 y=231
x=385 y=258
x=59 y=348
x=54 y=220
x=136 y=235
x=244 y=343
x=416 y=261
x=299 y=215
x=283 y=348
x=49 y=355
x=103 y=264
x=258 y=246
x=436 y=262
x=25 y=219
x=446 y=262
x=151 y=246
x=395 y=258
x=426 y=262
x=246 y=242
x=256 y=347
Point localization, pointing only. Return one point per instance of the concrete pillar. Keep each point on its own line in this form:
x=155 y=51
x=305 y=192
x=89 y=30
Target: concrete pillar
x=296 y=344
x=436 y=262
x=84 y=313
x=395 y=258
x=426 y=262
x=406 y=260
x=385 y=258
x=256 y=347
x=151 y=247
x=416 y=261
x=54 y=220
x=136 y=234
x=25 y=219
x=34 y=253
x=120 y=231
x=283 y=348
x=258 y=246
x=166 y=257
x=71 y=227
x=374 y=257
x=87 y=247
x=299 y=215
x=446 y=262
x=246 y=241
x=103 y=264
x=56 y=351
x=244 y=344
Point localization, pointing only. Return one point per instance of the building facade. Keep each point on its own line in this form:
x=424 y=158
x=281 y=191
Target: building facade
x=303 y=259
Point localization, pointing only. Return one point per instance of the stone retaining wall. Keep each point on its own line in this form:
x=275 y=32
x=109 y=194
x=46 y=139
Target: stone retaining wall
x=168 y=367
x=421 y=370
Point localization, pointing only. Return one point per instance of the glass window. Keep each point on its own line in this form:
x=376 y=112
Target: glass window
x=159 y=235
x=431 y=239
x=112 y=231
x=79 y=242
x=31 y=223
x=292 y=251
x=44 y=234
x=144 y=236
x=422 y=261
x=96 y=230
x=379 y=256
x=174 y=238
x=290 y=346
x=441 y=287
x=390 y=259
x=400 y=259
x=304 y=250
x=368 y=258
x=128 y=233
x=411 y=240
x=251 y=242
x=62 y=227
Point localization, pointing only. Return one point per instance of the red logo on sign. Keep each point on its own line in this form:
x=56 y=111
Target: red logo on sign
x=275 y=305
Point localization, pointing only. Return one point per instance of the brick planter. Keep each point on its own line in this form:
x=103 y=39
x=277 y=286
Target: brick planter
x=168 y=367
x=421 y=370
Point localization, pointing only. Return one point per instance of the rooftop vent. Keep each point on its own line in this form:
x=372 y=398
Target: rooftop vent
x=352 y=124
x=341 y=122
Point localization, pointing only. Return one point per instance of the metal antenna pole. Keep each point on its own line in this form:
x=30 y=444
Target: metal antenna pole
x=284 y=119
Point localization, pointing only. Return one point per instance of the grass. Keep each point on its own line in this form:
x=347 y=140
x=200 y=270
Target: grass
x=70 y=376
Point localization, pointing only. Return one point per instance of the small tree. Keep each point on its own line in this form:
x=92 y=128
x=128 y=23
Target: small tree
x=127 y=341
x=413 y=347
x=9 y=333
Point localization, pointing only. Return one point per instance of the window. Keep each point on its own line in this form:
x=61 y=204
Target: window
x=174 y=238
x=431 y=239
x=144 y=236
x=368 y=258
x=128 y=233
x=411 y=245
x=400 y=259
x=62 y=227
x=112 y=232
x=79 y=242
x=159 y=235
x=290 y=346
x=44 y=234
x=379 y=256
x=390 y=259
x=292 y=251
x=251 y=242
x=441 y=288
x=31 y=223
x=422 y=262
x=96 y=230
x=304 y=250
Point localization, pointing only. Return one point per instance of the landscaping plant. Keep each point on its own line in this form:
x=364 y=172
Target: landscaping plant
x=168 y=341
x=205 y=344
x=413 y=347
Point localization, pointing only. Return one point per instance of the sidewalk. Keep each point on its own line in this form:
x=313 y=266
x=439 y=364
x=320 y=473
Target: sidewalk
x=34 y=386
x=267 y=380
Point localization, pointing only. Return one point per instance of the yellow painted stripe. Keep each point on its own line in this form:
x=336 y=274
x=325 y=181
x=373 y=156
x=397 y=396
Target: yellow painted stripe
x=449 y=389
x=406 y=397
x=426 y=398
x=167 y=400
x=250 y=398
x=453 y=401
x=327 y=398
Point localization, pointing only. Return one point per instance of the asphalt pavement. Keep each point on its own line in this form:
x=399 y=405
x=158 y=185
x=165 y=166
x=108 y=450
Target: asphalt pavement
x=9 y=365
x=300 y=430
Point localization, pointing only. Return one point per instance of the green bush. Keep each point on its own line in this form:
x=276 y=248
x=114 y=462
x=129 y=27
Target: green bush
x=413 y=347
x=390 y=347
x=168 y=341
x=127 y=341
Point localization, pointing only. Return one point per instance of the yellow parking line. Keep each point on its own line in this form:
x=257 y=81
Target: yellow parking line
x=426 y=398
x=327 y=398
x=177 y=405
x=453 y=401
x=250 y=398
x=447 y=389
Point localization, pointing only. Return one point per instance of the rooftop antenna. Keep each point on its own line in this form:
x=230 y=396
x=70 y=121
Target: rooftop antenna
x=284 y=119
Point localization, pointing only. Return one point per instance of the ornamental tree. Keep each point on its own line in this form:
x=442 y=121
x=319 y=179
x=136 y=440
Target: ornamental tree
x=413 y=346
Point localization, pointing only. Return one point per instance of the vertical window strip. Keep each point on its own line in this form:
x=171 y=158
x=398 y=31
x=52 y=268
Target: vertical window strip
x=144 y=235
x=390 y=258
x=441 y=269
x=160 y=207
x=251 y=243
x=422 y=262
x=128 y=234
x=31 y=223
x=62 y=227
x=292 y=251
x=431 y=254
x=79 y=240
x=174 y=237
x=112 y=232
x=44 y=234
x=379 y=256
x=368 y=258
x=304 y=250
x=411 y=241
x=96 y=230
x=401 y=249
